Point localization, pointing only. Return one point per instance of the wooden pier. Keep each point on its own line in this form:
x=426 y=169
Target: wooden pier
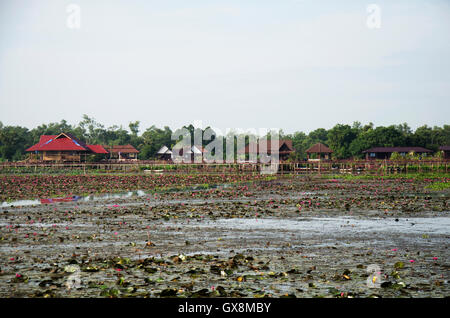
x=304 y=167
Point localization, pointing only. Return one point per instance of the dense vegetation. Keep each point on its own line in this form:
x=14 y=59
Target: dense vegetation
x=346 y=141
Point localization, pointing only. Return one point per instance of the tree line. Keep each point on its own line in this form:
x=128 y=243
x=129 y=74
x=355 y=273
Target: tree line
x=347 y=141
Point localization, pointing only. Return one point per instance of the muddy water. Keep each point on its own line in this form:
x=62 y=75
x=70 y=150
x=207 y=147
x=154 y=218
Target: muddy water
x=248 y=243
x=342 y=226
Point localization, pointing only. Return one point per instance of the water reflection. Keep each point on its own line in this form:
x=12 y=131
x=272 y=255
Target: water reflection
x=122 y=195
x=350 y=225
x=56 y=200
x=75 y=198
x=20 y=203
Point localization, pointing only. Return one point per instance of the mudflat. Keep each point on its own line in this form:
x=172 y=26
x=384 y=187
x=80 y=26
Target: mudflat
x=286 y=237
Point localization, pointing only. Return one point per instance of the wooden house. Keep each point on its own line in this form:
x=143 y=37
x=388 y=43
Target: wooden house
x=164 y=153
x=62 y=148
x=319 y=152
x=283 y=147
x=386 y=152
x=446 y=151
x=122 y=152
x=193 y=154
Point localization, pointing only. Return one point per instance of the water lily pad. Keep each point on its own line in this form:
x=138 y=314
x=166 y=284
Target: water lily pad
x=399 y=265
x=91 y=269
x=71 y=268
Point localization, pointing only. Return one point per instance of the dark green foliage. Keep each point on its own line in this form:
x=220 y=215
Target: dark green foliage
x=346 y=141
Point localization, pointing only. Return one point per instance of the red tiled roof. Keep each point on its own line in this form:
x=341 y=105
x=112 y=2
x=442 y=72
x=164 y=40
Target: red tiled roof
x=122 y=149
x=64 y=142
x=397 y=149
x=97 y=149
x=59 y=142
x=45 y=138
x=319 y=148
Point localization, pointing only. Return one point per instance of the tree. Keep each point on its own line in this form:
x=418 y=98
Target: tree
x=318 y=135
x=134 y=127
x=339 y=139
x=396 y=156
x=13 y=142
x=345 y=140
x=299 y=143
x=431 y=138
x=153 y=139
x=378 y=137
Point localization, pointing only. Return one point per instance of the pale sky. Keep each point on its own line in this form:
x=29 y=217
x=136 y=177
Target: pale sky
x=291 y=64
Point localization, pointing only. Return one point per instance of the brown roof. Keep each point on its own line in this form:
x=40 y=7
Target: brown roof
x=270 y=146
x=397 y=149
x=319 y=148
x=122 y=149
x=445 y=148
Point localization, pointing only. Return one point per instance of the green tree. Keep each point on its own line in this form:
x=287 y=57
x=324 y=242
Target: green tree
x=13 y=142
x=153 y=139
x=134 y=127
x=379 y=137
x=339 y=139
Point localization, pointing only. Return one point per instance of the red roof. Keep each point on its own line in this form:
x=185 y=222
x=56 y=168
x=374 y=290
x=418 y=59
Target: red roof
x=97 y=149
x=64 y=142
x=45 y=138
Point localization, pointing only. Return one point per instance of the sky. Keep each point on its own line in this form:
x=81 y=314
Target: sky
x=291 y=64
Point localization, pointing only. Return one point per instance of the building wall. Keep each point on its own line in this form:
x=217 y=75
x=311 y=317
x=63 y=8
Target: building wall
x=123 y=156
x=61 y=156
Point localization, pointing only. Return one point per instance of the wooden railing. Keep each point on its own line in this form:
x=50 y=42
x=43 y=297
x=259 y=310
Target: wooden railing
x=331 y=166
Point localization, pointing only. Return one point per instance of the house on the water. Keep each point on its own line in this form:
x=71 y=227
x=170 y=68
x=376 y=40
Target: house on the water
x=283 y=147
x=319 y=152
x=386 y=152
x=63 y=147
x=164 y=153
x=122 y=153
x=193 y=154
x=446 y=151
